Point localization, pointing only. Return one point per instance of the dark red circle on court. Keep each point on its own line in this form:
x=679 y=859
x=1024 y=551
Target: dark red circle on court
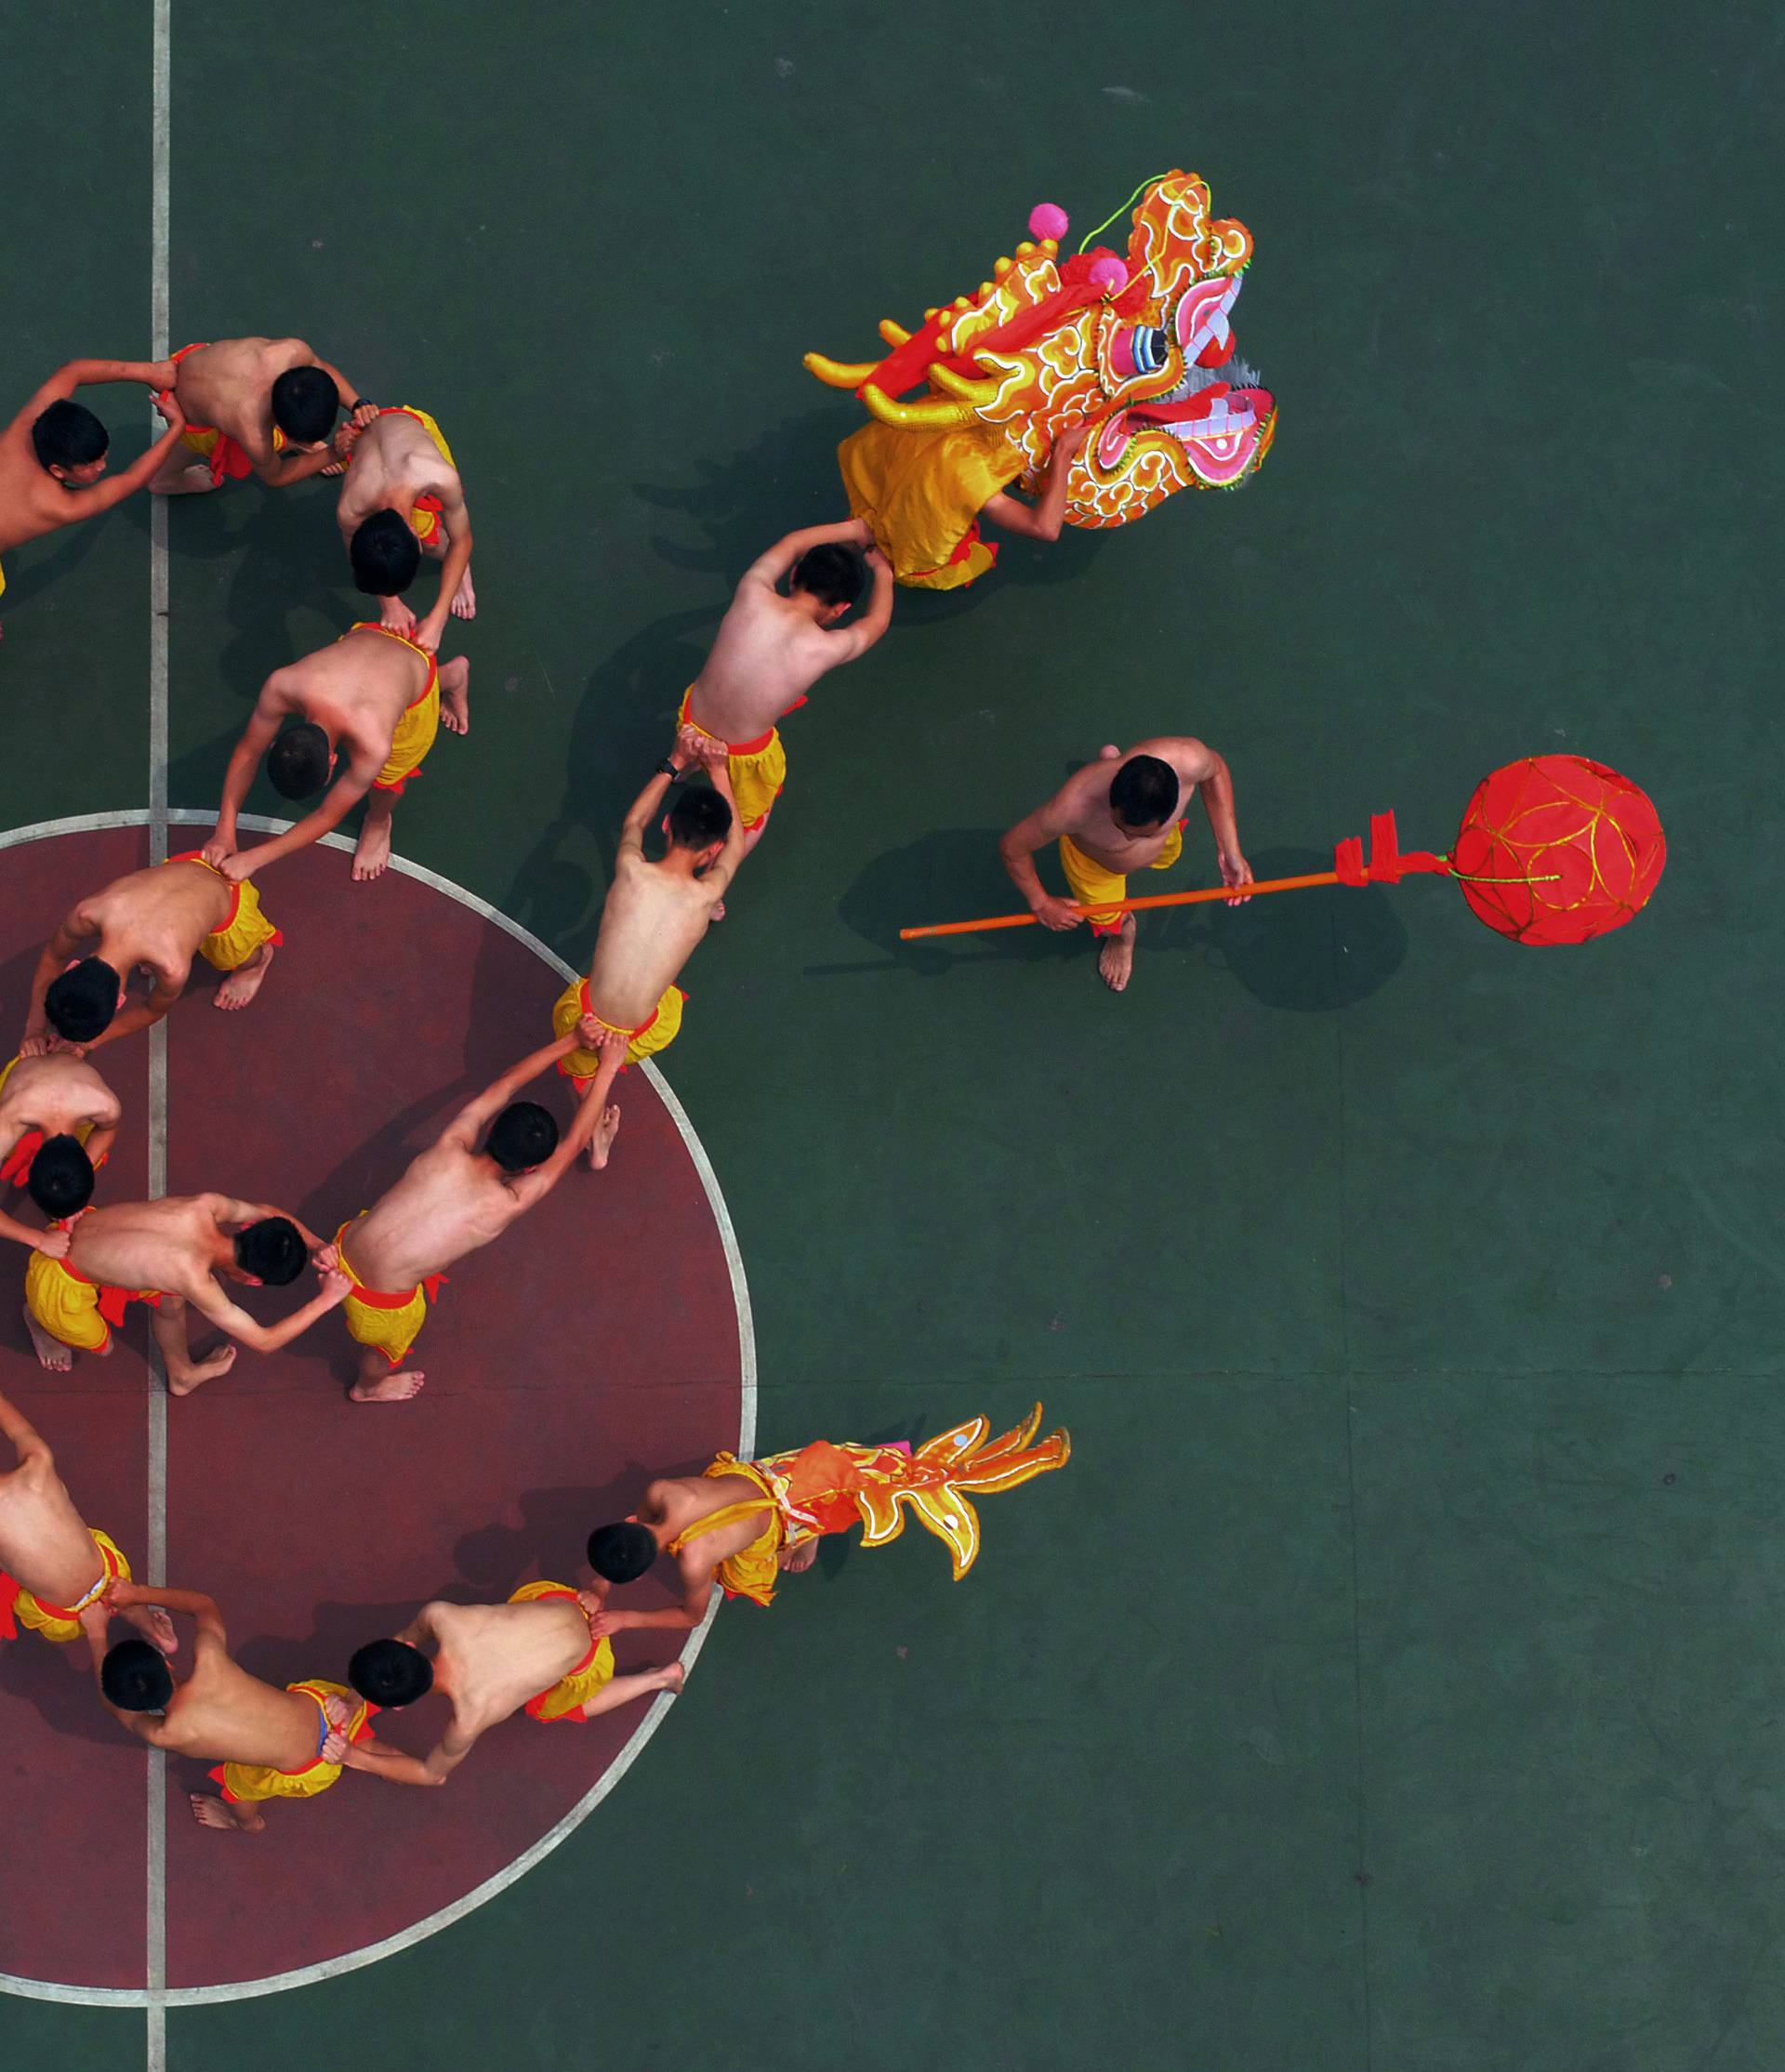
x=599 y=1343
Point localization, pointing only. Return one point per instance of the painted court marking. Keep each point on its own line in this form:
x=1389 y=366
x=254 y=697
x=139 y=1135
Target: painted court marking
x=156 y=1997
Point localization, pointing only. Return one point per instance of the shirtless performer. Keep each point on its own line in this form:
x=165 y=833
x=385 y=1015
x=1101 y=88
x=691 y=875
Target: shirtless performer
x=654 y=916
x=53 y=452
x=273 y=1744
x=742 y=1523
x=262 y=407
x=169 y=1253
x=401 y=499
x=54 y=1099
x=158 y=919
x=535 y=1652
x=54 y=1569
x=374 y=693
x=455 y=1199
x=772 y=648
x=1119 y=814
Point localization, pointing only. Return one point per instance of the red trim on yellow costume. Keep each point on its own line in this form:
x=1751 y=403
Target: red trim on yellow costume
x=223 y=927
x=535 y=1707
x=362 y=1732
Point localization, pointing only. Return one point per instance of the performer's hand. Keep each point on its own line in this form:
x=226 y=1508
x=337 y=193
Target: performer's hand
x=63 y=1047
x=168 y=406
x=714 y=755
x=688 y=743
x=219 y=850
x=877 y=560
x=605 y=1622
x=361 y=418
x=614 y=1039
x=1057 y=914
x=162 y=373
x=122 y=1595
x=52 y=1243
x=327 y=1259
x=336 y=1286
x=35 y=1044
x=1069 y=441
x=1236 y=870
x=346 y=437
x=395 y=616
x=335 y=1747
x=426 y=633
x=594 y=1602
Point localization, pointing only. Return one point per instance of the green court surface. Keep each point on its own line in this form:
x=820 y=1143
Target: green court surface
x=1394 y=1678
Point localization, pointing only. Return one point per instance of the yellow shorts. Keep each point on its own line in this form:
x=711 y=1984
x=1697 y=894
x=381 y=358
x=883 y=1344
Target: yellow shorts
x=655 y=1034
x=68 y=1307
x=61 y=1623
x=1093 y=887
x=244 y=931
x=570 y=1693
x=758 y=768
x=390 y=1328
x=416 y=733
x=3 y=579
x=259 y=1780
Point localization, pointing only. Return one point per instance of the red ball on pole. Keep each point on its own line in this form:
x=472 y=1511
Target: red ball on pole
x=1557 y=849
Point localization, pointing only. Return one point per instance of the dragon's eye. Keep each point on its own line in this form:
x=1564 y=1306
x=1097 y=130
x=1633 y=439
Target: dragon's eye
x=1143 y=348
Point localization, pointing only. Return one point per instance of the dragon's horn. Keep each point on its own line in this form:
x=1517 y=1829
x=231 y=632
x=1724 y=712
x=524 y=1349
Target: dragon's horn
x=839 y=373
x=896 y=334
x=930 y=416
x=958 y=384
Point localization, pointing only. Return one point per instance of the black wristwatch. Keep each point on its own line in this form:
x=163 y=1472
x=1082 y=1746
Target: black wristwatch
x=361 y=402
x=670 y=770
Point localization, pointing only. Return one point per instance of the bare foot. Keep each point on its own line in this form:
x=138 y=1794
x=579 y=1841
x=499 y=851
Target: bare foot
x=372 y=854
x=1115 y=960
x=465 y=597
x=601 y=1142
x=51 y=1353
x=718 y=913
x=183 y=477
x=673 y=1677
x=394 y=1388
x=155 y=1626
x=241 y=985
x=800 y=1559
x=455 y=695
x=228 y=1819
x=1108 y=752
x=201 y=1371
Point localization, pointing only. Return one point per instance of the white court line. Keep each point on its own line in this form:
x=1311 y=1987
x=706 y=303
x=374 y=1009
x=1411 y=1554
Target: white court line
x=155 y=1916
x=353 y=1960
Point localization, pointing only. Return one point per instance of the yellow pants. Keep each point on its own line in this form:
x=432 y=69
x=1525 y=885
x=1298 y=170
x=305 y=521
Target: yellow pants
x=416 y=733
x=62 y=1622
x=1094 y=888
x=246 y=929
x=66 y=1306
x=391 y=1330
x=655 y=1034
x=570 y=1693
x=259 y=1780
x=758 y=772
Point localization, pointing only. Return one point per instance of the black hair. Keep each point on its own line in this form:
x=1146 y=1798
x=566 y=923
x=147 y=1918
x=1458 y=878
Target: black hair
x=525 y=1134
x=135 y=1678
x=271 y=1250
x=79 y=1005
x=622 y=1554
x=834 y=573
x=297 y=762
x=60 y=1180
x=385 y=554
x=699 y=817
x=390 y=1673
x=304 y=404
x=67 y=435
x=1143 y=792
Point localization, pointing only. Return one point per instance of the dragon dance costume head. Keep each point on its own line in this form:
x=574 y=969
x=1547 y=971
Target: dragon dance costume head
x=1138 y=348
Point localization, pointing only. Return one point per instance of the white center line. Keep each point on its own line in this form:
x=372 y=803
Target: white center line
x=155 y=1915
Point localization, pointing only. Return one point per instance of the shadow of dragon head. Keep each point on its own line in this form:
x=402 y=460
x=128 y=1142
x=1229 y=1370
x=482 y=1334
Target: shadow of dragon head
x=1138 y=348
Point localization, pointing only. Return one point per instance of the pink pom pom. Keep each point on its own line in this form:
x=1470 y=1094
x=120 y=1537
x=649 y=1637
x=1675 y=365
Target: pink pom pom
x=1109 y=274
x=1048 y=220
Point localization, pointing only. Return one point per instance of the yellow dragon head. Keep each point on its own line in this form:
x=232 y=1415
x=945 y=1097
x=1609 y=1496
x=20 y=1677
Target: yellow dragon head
x=1139 y=348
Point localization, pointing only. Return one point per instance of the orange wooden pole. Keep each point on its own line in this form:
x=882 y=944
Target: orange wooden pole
x=1131 y=905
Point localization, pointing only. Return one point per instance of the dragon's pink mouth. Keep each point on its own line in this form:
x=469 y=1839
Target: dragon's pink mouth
x=1219 y=429
x=1200 y=318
